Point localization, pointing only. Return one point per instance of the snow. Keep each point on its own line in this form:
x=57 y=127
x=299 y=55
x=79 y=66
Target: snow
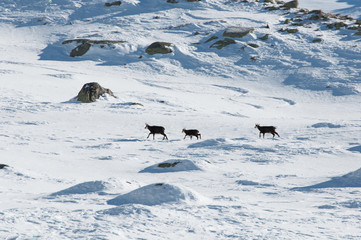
x=87 y=171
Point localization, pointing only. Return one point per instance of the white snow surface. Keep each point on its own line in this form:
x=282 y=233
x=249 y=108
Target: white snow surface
x=68 y=162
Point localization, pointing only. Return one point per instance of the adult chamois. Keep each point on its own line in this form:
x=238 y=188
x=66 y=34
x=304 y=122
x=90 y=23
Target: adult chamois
x=156 y=130
x=266 y=129
x=191 y=133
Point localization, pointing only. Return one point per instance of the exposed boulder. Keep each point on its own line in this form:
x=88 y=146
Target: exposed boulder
x=265 y=37
x=237 y=32
x=222 y=43
x=159 y=47
x=3 y=166
x=317 y=40
x=91 y=92
x=116 y=3
x=85 y=45
x=291 y=4
x=80 y=50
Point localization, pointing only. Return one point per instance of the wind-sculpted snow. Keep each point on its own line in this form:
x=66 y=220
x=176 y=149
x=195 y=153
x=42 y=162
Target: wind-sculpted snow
x=82 y=188
x=88 y=171
x=350 y=180
x=155 y=194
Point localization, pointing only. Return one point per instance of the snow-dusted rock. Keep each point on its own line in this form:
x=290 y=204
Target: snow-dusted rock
x=92 y=91
x=237 y=32
x=171 y=166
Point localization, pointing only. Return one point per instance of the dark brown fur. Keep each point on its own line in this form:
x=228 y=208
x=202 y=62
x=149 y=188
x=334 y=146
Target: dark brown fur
x=266 y=129
x=156 y=130
x=191 y=133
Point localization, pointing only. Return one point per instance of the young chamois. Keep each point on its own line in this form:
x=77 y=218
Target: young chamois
x=191 y=133
x=156 y=130
x=266 y=129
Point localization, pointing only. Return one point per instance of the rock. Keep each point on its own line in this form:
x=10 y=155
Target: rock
x=80 y=50
x=222 y=43
x=172 y=1
x=253 y=45
x=87 y=43
x=265 y=37
x=91 y=92
x=3 y=166
x=291 y=4
x=211 y=39
x=159 y=47
x=237 y=32
x=116 y=3
x=317 y=40
x=289 y=30
x=270 y=1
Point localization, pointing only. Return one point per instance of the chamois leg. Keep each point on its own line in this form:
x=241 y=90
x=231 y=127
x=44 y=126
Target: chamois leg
x=149 y=135
x=185 y=137
x=200 y=136
x=277 y=134
x=165 y=136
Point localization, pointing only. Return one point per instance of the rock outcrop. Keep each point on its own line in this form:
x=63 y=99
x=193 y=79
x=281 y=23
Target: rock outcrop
x=159 y=47
x=91 y=92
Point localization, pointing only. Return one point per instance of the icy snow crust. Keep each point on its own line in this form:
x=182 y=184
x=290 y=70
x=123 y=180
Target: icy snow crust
x=87 y=171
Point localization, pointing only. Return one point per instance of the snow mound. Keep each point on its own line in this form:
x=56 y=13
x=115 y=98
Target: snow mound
x=127 y=210
x=171 y=166
x=82 y=188
x=155 y=194
x=326 y=125
x=352 y=179
x=251 y=183
x=355 y=149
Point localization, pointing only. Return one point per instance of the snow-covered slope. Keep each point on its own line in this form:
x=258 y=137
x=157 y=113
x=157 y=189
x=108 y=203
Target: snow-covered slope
x=69 y=163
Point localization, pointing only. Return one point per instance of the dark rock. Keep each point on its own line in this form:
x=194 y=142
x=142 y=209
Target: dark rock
x=265 y=37
x=222 y=43
x=253 y=45
x=291 y=4
x=91 y=92
x=211 y=38
x=273 y=8
x=87 y=43
x=159 y=47
x=289 y=30
x=237 y=32
x=80 y=50
x=317 y=40
x=3 y=166
x=116 y=3
x=172 y=1
x=167 y=165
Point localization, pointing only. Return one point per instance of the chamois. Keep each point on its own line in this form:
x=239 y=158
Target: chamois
x=266 y=129
x=191 y=133
x=156 y=130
